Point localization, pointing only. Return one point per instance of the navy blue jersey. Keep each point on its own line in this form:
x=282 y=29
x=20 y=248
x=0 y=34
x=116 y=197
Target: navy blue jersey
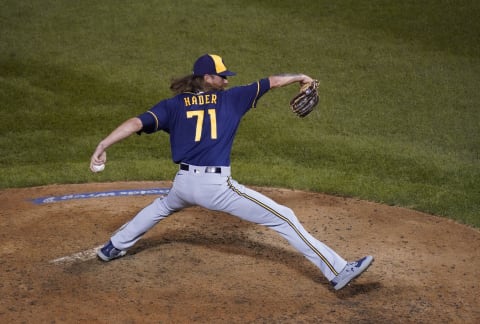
x=202 y=126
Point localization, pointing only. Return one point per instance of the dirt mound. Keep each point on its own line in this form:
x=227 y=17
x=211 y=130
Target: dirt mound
x=199 y=266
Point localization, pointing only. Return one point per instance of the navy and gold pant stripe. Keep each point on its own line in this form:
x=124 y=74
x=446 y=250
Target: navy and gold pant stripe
x=288 y=221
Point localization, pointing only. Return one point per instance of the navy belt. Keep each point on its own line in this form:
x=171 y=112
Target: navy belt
x=208 y=169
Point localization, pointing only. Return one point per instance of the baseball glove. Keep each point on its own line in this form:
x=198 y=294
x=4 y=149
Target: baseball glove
x=304 y=102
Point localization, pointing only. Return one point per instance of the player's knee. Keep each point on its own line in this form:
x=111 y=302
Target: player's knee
x=161 y=208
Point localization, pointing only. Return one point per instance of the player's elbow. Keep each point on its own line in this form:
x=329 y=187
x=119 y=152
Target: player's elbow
x=132 y=125
x=135 y=124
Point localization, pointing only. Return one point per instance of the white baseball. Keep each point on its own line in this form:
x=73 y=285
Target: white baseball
x=99 y=168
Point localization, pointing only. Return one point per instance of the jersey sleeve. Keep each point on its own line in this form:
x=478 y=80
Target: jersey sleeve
x=263 y=87
x=154 y=119
x=248 y=95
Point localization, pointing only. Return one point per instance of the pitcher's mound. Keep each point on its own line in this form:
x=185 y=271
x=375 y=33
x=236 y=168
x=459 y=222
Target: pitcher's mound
x=199 y=266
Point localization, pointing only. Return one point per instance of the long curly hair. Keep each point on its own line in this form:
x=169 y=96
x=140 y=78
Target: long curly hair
x=191 y=83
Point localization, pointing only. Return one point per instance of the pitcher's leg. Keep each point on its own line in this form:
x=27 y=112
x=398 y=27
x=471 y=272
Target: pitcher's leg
x=148 y=217
x=255 y=207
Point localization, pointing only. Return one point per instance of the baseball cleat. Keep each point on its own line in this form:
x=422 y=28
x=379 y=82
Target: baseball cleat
x=109 y=252
x=351 y=271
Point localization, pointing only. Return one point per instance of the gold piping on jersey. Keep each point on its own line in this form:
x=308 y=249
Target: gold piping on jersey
x=285 y=219
x=256 y=96
x=156 y=119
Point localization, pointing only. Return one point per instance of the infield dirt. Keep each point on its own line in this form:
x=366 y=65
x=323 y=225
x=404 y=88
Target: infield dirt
x=199 y=266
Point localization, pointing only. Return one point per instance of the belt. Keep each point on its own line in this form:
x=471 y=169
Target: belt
x=208 y=169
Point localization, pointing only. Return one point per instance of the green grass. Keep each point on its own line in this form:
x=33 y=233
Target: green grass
x=398 y=123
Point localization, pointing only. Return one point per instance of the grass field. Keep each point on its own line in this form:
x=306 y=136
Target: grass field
x=398 y=123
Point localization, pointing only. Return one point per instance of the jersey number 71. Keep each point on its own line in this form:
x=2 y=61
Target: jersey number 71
x=200 y=116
